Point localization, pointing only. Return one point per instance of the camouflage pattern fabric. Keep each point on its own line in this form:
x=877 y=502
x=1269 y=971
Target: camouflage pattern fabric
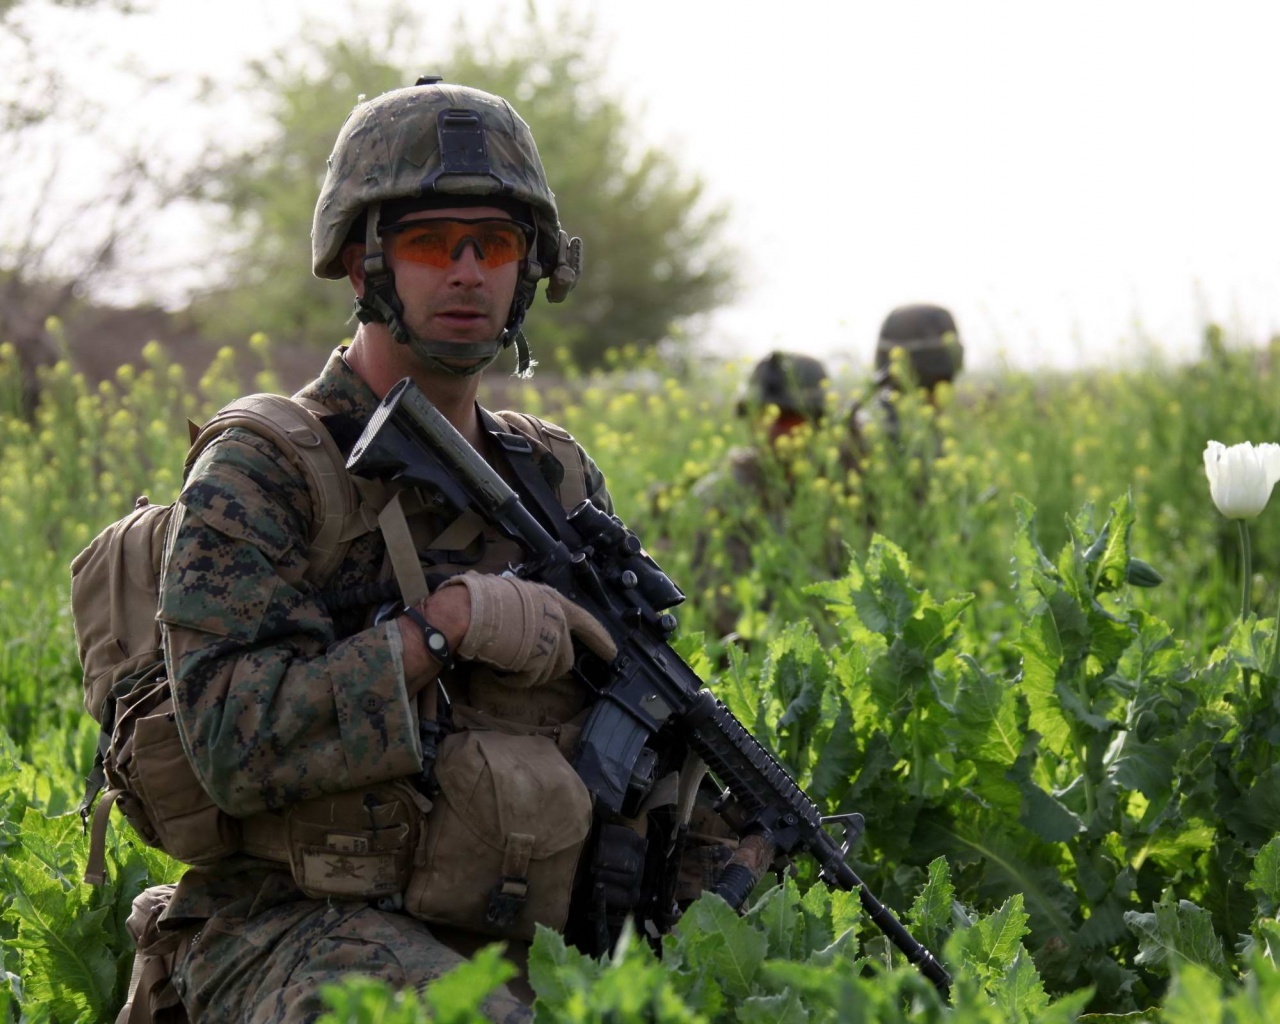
x=748 y=472
x=876 y=414
x=272 y=966
x=752 y=496
x=879 y=414
x=739 y=485
x=277 y=700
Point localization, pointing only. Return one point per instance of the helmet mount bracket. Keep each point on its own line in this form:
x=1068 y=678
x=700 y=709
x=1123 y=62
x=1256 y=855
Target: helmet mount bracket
x=463 y=149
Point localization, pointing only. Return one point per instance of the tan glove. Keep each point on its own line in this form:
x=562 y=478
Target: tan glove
x=526 y=628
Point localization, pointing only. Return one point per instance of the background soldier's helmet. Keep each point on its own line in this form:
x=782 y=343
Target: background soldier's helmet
x=928 y=336
x=794 y=383
x=426 y=142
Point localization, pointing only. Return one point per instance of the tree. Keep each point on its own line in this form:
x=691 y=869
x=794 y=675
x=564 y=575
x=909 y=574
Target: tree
x=76 y=198
x=653 y=251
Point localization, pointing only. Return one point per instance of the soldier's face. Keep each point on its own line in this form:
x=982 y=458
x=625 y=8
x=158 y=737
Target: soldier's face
x=467 y=300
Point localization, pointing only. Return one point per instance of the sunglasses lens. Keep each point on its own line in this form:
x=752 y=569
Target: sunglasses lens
x=438 y=242
x=421 y=243
x=501 y=242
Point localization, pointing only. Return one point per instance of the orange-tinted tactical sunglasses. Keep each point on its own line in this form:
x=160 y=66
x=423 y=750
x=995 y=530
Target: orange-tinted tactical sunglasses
x=438 y=241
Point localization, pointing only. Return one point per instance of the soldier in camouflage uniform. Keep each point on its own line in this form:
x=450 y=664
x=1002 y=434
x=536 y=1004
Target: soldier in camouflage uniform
x=784 y=392
x=437 y=211
x=918 y=350
x=928 y=338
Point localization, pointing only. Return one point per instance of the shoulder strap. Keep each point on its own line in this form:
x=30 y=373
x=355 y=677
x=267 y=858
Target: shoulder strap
x=537 y=493
x=573 y=488
x=292 y=424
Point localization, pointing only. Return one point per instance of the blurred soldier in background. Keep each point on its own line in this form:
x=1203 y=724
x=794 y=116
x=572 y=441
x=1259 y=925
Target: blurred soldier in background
x=893 y=434
x=784 y=392
x=931 y=353
x=784 y=397
x=929 y=336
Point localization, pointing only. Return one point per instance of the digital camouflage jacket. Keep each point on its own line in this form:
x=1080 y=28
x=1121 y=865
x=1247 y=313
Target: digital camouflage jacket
x=277 y=699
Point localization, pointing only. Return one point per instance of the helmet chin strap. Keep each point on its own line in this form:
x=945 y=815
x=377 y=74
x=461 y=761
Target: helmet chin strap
x=381 y=304
x=429 y=353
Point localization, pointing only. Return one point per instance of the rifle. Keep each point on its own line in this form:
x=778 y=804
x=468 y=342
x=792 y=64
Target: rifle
x=648 y=699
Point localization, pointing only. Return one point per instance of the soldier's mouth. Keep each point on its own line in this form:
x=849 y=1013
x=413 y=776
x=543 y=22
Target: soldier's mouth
x=461 y=319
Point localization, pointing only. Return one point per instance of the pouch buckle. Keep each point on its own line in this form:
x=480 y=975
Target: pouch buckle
x=506 y=900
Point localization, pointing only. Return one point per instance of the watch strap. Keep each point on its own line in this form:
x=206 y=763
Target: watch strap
x=436 y=642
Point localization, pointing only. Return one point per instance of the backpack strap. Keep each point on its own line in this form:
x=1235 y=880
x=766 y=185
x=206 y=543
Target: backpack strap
x=95 y=868
x=339 y=512
x=573 y=488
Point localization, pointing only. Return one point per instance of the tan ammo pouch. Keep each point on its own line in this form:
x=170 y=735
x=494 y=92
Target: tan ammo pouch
x=152 y=996
x=505 y=835
x=150 y=775
x=359 y=844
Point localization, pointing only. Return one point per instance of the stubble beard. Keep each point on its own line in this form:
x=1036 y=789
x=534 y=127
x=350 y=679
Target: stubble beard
x=418 y=325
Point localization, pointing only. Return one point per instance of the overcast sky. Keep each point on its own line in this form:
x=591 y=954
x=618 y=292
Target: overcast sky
x=1068 y=178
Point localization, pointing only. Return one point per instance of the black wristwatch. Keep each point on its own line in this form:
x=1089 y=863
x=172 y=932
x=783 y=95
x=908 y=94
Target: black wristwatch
x=437 y=643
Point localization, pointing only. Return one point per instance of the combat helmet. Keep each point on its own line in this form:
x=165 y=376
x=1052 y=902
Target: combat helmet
x=928 y=335
x=424 y=142
x=794 y=383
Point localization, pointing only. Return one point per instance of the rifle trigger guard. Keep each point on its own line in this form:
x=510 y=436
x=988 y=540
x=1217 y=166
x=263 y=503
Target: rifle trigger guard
x=853 y=824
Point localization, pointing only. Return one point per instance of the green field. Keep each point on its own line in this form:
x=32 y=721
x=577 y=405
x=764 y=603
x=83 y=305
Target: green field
x=1069 y=782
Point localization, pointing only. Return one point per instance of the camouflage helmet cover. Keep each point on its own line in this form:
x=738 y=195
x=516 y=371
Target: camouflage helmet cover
x=794 y=383
x=390 y=148
x=928 y=335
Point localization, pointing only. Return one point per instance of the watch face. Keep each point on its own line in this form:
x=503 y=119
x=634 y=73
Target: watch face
x=437 y=643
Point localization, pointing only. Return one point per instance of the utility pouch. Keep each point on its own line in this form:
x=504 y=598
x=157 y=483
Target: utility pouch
x=617 y=868
x=360 y=844
x=504 y=838
x=152 y=998
x=149 y=775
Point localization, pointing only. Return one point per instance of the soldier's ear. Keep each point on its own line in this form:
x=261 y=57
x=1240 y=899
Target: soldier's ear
x=352 y=257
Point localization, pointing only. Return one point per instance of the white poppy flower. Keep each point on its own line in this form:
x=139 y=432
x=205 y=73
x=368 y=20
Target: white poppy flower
x=1241 y=476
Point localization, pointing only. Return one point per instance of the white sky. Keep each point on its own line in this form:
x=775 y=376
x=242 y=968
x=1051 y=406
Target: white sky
x=1072 y=180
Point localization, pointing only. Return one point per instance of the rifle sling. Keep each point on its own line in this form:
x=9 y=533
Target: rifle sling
x=517 y=451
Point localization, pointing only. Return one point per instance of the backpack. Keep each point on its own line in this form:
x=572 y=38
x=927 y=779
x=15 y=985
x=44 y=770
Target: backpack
x=114 y=596
x=141 y=762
